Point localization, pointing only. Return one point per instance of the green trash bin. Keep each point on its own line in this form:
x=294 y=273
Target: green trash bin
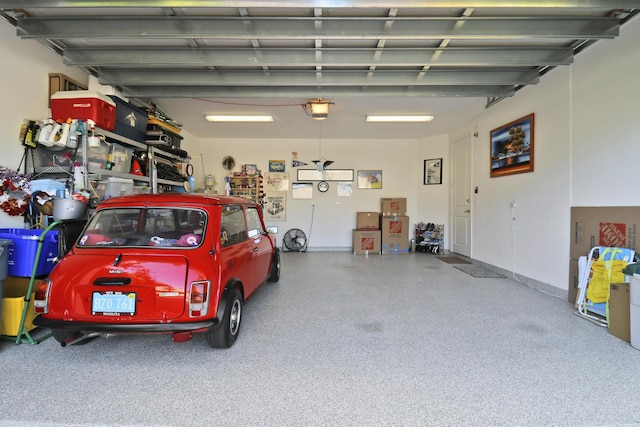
x=4 y=255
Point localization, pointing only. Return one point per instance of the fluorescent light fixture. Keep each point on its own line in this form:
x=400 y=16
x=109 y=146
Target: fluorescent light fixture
x=238 y=118
x=399 y=118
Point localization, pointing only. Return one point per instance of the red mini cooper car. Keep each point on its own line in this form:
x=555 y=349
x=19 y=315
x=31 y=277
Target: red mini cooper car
x=163 y=263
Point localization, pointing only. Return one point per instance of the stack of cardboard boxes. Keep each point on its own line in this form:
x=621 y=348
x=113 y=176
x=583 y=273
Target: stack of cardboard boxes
x=366 y=236
x=394 y=226
x=385 y=232
x=605 y=226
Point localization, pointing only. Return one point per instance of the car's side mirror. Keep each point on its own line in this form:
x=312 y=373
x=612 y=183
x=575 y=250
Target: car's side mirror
x=272 y=230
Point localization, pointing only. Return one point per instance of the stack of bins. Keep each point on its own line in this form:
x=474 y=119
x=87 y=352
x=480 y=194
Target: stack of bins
x=21 y=263
x=4 y=253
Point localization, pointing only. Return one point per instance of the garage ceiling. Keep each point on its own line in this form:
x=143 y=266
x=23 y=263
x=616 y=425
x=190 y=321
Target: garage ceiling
x=447 y=58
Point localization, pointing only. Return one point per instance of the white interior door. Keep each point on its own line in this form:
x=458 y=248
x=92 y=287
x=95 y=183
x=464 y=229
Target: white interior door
x=461 y=198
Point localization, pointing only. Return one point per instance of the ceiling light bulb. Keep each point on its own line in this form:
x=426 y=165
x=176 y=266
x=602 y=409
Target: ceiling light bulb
x=319 y=108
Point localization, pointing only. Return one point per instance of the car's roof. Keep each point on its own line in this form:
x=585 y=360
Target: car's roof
x=190 y=199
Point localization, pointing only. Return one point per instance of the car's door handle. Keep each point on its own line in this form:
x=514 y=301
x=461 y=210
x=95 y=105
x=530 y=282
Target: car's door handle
x=255 y=249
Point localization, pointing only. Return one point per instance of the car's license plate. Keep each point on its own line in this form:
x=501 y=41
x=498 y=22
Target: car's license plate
x=113 y=303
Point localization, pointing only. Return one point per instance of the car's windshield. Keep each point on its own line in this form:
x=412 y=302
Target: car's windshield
x=157 y=227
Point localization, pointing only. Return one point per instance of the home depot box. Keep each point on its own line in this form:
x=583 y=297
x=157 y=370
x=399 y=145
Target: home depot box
x=603 y=226
x=84 y=105
x=366 y=242
x=619 y=313
x=393 y=206
x=367 y=221
x=395 y=234
x=15 y=289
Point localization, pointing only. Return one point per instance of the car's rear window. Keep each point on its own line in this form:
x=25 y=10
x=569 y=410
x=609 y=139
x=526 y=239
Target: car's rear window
x=146 y=227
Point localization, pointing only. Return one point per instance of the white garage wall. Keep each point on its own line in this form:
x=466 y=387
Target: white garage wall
x=26 y=65
x=606 y=113
x=334 y=217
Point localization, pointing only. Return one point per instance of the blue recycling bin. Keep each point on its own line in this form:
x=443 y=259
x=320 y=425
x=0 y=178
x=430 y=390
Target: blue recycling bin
x=4 y=255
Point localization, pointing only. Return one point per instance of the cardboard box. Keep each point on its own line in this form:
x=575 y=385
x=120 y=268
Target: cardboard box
x=395 y=234
x=619 y=313
x=367 y=221
x=393 y=206
x=366 y=242
x=603 y=226
x=15 y=289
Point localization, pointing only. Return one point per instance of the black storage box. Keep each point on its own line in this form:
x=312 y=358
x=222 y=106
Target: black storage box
x=131 y=122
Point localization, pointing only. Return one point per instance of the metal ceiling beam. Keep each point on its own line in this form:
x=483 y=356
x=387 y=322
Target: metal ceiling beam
x=146 y=92
x=310 y=78
x=273 y=57
x=360 y=28
x=598 y=4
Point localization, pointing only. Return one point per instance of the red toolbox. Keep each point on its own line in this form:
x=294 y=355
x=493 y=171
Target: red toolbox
x=84 y=105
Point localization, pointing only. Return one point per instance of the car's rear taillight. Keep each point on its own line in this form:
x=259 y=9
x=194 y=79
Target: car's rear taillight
x=41 y=300
x=199 y=298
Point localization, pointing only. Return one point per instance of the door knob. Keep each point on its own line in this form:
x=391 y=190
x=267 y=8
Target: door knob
x=468 y=211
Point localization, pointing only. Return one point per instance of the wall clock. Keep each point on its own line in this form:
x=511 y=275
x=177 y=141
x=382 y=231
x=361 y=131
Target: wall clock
x=323 y=186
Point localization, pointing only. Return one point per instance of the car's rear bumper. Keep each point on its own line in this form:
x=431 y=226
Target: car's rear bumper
x=123 y=328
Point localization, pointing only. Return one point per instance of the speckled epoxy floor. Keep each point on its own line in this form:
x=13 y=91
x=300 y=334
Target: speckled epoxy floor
x=345 y=340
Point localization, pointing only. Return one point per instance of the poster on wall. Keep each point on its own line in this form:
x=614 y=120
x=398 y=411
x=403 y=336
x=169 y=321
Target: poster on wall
x=345 y=189
x=302 y=190
x=275 y=206
x=276 y=181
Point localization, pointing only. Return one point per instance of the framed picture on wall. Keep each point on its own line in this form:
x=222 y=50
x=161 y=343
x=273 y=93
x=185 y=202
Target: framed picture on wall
x=512 y=147
x=370 y=179
x=433 y=171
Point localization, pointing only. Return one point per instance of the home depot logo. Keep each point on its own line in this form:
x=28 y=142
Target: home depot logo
x=612 y=234
x=395 y=227
x=367 y=243
x=395 y=206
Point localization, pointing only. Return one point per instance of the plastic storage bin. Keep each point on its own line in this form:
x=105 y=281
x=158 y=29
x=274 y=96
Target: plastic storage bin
x=634 y=310
x=21 y=256
x=131 y=122
x=121 y=158
x=114 y=187
x=84 y=105
x=13 y=305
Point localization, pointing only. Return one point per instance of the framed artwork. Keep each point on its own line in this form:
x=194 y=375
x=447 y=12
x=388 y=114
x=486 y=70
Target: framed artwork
x=275 y=206
x=512 y=147
x=325 y=175
x=370 y=179
x=276 y=181
x=302 y=190
x=276 y=165
x=433 y=171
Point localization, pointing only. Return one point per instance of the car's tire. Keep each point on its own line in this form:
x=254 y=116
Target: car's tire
x=225 y=333
x=275 y=267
